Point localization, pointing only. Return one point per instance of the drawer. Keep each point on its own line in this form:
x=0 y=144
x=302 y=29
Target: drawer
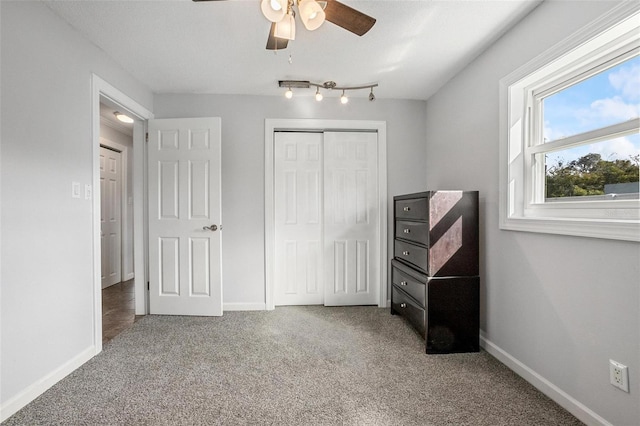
x=413 y=231
x=402 y=305
x=409 y=285
x=412 y=253
x=415 y=208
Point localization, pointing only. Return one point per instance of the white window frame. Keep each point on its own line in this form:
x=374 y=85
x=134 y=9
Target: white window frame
x=522 y=204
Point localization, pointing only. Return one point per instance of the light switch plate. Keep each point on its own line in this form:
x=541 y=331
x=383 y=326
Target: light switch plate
x=75 y=189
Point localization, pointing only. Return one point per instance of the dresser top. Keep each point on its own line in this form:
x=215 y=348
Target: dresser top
x=428 y=194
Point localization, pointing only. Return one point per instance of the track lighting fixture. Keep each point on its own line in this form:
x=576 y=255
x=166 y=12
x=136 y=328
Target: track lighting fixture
x=328 y=85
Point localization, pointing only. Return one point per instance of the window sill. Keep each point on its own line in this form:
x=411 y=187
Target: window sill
x=624 y=230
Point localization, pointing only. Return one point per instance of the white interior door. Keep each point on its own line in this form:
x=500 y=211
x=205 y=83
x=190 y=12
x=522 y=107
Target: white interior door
x=110 y=216
x=298 y=218
x=327 y=220
x=185 y=274
x=351 y=219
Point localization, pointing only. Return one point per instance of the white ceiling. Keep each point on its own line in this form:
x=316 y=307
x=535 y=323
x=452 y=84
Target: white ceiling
x=218 y=47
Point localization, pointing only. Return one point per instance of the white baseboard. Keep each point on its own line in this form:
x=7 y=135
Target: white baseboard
x=566 y=401
x=14 y=404
x=244 y=307
x=129 y=276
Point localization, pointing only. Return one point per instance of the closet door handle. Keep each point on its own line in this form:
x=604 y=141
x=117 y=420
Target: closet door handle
x=406 y=209
x=403 y=283
x=406 y=230
x=403 y=305
x=405 y=253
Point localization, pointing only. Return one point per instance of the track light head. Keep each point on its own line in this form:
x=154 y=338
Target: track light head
x=372 y=97
x=289 y=93
x=343 y=98
x=318 y=95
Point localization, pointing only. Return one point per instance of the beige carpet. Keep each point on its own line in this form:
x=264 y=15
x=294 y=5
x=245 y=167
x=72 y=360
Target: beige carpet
x=291 y=366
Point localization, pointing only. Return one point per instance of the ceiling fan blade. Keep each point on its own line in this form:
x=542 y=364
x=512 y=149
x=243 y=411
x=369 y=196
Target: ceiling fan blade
x=348 y=18
x=275 y=43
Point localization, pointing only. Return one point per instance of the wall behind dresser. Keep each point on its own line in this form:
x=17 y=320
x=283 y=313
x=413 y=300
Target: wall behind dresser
x=546 y=299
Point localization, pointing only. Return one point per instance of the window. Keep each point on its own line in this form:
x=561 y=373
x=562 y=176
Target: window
x=570 y=135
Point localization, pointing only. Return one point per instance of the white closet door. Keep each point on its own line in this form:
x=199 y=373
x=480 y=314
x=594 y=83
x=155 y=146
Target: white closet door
x=110 y=216
x=185 y=272
x=351 y=219
x=298 y=219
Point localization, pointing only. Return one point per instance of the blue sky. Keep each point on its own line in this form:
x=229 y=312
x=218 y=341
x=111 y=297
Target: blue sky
x=610 y=97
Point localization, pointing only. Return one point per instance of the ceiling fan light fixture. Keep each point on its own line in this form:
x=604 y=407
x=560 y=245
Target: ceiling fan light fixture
x=311 y=14
x=124 y=118
x=274 y=10
x=286 y=28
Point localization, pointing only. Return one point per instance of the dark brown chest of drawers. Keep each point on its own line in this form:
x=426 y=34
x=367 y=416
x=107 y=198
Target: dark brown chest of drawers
x=434 y=272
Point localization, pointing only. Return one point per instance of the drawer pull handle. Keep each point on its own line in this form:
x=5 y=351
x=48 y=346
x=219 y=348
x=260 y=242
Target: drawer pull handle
x=406 y=209
x=405 y=253
x=403 y=283
x=407 y=230
x=403 y=305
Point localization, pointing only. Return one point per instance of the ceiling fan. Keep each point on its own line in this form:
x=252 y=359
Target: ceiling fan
x=312 y=13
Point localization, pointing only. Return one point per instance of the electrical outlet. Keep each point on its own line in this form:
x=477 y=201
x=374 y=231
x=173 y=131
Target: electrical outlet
x=619 y=375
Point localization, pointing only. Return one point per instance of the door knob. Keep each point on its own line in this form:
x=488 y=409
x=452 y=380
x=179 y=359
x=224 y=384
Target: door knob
x=210 y=228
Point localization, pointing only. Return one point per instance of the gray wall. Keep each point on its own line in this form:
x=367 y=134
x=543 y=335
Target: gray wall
x=243 y=120
x=560 y=305
x=46 y=236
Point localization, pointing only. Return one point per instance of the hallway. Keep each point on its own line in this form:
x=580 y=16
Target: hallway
x=118 y=309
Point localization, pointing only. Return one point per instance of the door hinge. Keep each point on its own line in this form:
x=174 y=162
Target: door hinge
x=146 y=137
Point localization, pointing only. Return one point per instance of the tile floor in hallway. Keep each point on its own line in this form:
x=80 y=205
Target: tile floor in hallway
x=118 y=309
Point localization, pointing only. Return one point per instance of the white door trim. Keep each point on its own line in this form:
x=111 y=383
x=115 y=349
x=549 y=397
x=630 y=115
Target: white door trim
x=273 y=125
x=100 y=87
x=124 y=158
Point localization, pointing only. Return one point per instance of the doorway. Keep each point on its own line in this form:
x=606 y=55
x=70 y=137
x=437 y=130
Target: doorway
x=329 y=260
x=116 y=222
x=103 y=92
